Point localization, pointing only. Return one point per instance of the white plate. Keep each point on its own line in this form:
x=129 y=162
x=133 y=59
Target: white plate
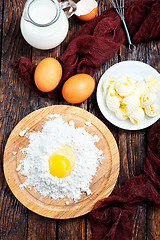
x=136 y=70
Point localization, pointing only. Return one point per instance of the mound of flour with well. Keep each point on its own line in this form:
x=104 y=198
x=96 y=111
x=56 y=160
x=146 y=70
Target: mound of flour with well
x=55 y=134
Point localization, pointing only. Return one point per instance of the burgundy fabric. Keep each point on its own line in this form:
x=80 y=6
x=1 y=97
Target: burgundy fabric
x=98 y=40
x=112 y=218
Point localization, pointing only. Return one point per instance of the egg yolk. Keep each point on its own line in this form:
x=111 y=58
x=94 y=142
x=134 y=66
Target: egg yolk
x=61 y=162
x=59 y=165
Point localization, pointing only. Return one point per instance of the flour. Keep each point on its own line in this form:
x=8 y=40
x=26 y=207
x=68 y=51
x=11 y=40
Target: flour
x=18 y=168
x=23 y=132
x=55 y=134
x=88 y=123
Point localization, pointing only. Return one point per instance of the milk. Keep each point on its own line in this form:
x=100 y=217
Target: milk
x=42 y=11
x=44 y=24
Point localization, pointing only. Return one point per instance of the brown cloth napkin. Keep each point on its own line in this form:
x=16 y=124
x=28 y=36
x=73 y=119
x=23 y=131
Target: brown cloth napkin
x=98 y=40
x=112 y=218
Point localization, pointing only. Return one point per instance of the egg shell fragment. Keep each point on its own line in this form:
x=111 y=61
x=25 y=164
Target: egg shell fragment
x=78 y=88
x=86 y=10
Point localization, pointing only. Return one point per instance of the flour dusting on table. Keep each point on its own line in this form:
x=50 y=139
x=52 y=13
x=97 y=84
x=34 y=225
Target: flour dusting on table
x=55 y=134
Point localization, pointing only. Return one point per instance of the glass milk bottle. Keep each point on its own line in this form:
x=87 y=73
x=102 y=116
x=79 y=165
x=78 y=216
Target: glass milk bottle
x=44 y=24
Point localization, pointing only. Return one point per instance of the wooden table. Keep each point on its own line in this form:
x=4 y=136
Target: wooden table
x=16 y=221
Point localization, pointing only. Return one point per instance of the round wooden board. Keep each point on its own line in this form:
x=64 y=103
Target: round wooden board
x=102 y=183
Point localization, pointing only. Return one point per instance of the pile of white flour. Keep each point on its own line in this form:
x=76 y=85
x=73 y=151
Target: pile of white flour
x=55 y=134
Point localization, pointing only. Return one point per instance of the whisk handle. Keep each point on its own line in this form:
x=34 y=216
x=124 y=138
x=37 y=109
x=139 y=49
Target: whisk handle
x=127 y=32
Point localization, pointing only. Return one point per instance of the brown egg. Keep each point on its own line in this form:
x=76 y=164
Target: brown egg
x=78 y=88
x=48 y=74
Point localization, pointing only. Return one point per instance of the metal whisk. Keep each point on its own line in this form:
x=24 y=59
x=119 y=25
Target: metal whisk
x=119 y=7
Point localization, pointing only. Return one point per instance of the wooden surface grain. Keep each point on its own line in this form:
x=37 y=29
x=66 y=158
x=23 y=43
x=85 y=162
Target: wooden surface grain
x=16 y=101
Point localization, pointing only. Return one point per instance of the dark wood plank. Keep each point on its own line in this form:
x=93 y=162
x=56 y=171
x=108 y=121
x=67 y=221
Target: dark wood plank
x=139 y=228
x=153 y=223
x=133 y=151
x=136 y=141
x=92 y=102
x=153 y=212
x=66 y=229
x=13 y=106
x=1 y=29
x=40 y=228
x=72 y=229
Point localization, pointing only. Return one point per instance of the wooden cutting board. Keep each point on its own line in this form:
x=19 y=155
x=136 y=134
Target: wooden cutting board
x=102 y=183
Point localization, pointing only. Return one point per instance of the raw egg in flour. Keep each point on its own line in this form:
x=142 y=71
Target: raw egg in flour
x=78 y=88
x=48 y=74
x=62 y=162
x=86 y=9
